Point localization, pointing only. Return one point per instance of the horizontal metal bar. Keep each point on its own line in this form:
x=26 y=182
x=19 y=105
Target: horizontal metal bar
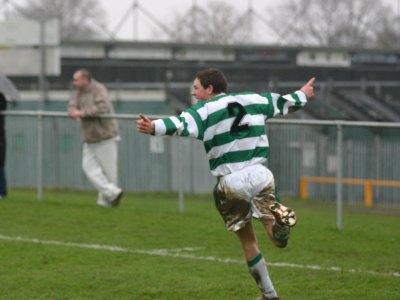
x=355 y=181
x=34 y=113
x=335 y=123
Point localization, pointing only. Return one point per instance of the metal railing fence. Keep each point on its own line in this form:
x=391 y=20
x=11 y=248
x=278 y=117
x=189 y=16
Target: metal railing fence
x=44 y=151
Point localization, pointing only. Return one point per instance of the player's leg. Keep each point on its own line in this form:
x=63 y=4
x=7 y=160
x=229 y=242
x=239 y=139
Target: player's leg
x=255 y=261
x=232 y=199
x=277 y=233
x=276 y=226
x=272 y=214
x=279 y=229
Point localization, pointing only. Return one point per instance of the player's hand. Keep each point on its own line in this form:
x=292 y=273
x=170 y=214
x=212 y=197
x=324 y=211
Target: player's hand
x=144 y=125
x=308 y=88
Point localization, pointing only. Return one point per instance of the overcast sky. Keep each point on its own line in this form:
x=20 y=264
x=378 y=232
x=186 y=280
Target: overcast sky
x=135 y=24
x=165 y=10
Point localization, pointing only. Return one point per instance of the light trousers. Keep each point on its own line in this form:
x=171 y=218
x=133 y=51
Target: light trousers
x=100 y=164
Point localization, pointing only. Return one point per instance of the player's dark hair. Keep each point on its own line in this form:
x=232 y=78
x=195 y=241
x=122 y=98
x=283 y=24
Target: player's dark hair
x=213 y=77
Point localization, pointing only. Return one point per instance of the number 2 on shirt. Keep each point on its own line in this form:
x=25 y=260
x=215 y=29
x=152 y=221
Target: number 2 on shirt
x=235 y=109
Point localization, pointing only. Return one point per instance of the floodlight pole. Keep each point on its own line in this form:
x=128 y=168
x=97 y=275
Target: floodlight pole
x=339 y=184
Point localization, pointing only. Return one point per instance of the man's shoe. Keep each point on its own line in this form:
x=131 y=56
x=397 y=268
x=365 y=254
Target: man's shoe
x=283 y=214
x=263 y=298
x=103 y=202
x=117 y=199
x=281 y=234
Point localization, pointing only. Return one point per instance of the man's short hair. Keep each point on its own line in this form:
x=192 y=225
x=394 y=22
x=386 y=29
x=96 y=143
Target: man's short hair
x=213 y=77
x=85 y=73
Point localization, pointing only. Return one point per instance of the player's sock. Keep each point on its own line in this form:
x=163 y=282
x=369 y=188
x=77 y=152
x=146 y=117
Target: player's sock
x=258 y=269
x=281 y=233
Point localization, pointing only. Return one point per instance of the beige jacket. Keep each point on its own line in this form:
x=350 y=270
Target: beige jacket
x=93 y=101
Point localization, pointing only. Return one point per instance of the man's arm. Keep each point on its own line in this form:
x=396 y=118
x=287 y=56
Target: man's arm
x=145 y=125
x=308 y=91
x=75 y=114
x=284 y=104
x=187 y=124
x=73 y=109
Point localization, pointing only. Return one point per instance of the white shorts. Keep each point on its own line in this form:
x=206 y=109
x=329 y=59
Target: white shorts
x=245 y=194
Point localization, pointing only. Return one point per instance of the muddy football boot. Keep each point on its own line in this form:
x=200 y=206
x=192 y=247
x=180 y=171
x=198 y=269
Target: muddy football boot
x=283 y=215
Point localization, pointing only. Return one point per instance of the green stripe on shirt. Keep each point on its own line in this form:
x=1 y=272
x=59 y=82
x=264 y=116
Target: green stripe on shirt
x=281 y=103
x=271 y=110
x=170 y=126
x=297 y=99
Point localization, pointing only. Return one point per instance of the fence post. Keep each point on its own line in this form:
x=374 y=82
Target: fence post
x=303 y=188
x=339 y=175
x=368 y=195
x=181 y=187
x=39 y=162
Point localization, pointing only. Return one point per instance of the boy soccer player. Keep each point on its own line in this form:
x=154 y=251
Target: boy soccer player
x=232 y=128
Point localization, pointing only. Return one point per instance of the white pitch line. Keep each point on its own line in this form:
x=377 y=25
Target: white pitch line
x=180 y=253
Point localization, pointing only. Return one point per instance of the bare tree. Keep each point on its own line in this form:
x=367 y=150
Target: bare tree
x=387 y=32
x=339 y=23
x=79 y=19
x=220 y=23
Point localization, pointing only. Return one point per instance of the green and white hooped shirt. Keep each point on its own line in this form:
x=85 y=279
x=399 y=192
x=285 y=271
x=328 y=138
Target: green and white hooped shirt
x=231 y=126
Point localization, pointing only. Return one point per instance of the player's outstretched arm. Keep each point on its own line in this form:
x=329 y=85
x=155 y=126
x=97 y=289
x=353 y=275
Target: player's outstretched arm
x=308 y=89
x=144 y=125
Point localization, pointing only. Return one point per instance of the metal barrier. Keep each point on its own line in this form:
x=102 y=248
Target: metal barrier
x=367 y=183
x=44 y=152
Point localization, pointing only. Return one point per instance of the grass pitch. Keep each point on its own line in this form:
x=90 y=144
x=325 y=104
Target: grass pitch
x=66 y=247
